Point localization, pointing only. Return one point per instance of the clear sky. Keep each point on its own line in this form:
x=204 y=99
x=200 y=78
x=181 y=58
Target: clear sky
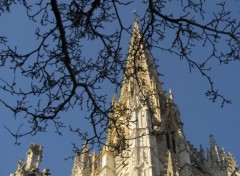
x=200 y=116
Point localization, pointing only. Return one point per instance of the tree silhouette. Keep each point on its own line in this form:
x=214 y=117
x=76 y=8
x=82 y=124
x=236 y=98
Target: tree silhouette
x=60 y=75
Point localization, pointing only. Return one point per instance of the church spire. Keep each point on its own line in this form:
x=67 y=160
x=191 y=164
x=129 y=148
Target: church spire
x=140 y=71
x=214 y=149
x=145 y=132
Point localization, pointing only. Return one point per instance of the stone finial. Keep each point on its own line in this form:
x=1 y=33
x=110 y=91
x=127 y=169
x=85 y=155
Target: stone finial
x=212 y=141
x=170 y=95
x=46 y=172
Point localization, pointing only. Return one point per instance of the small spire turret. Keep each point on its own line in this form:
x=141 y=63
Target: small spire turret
x=34 y=156
x=82 y=162
x=214 y=151
x=85 y=154
x=31 y=166
x=212 y=141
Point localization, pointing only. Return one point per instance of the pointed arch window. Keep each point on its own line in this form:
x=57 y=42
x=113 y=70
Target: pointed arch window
x=168 y=141
x=171 y=144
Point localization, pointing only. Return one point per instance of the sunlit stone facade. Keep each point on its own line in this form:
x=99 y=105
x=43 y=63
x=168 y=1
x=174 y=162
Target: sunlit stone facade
x=149 y=140
x=31 y=166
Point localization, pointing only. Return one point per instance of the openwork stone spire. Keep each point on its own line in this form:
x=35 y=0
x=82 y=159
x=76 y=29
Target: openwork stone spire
x=145 y=134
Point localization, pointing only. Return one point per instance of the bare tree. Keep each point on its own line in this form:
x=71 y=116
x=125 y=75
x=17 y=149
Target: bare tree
x=60 y=75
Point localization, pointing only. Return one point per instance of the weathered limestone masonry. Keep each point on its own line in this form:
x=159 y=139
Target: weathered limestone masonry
x=31 y=167
x=154 y=133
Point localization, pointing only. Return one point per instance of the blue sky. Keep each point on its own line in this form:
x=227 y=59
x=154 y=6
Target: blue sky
x=200 y=116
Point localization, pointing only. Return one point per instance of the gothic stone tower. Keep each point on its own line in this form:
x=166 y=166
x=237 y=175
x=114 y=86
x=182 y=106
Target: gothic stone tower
x=147 y=133
x=31 y=167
